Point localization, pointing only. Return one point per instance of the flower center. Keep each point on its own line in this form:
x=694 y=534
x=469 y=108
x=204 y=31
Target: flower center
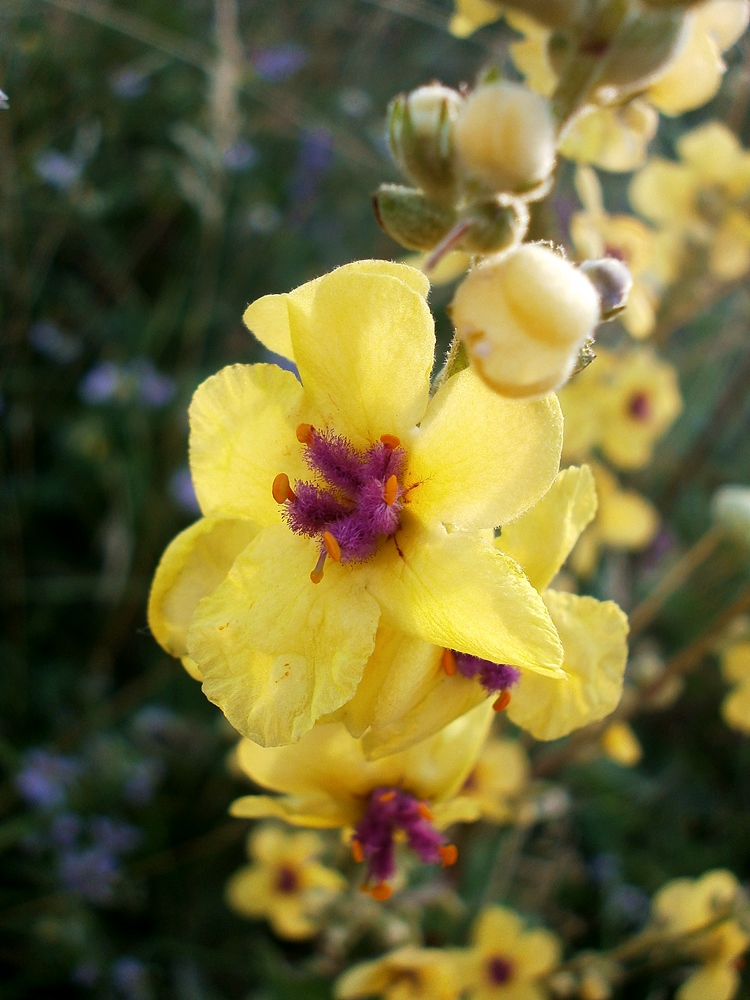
x=639 y=406
x=389 y=812
x=356 y=499
x=499 y=970
x=287 y=881
x=496 y=678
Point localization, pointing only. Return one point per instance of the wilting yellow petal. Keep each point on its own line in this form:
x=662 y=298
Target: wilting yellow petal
x=480 y=460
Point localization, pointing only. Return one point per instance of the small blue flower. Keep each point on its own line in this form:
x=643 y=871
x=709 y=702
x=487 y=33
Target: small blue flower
x=49 y=340
x=278 y=62
x=57 y=169
x=45 y=778
x=114 y=836
x=101 y=384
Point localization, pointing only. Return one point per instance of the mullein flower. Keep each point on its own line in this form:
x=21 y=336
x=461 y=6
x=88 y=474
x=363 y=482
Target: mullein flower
x=326 y=507
x=735 y=668
x=685 y=906
x=326 y=781
x=407 y=974
x=411 y=689
x=622 y=404
x=699 y=201
x=624 y=520
x=499 y=779
x=285 y=883
x=507 y=961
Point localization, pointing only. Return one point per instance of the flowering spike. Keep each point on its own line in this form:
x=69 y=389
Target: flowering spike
x=391 y=441
x=381 y=892
x=391 y=491
x=357 y=853
x=502 y=702
x=281 y=489
x=304 y=433
x=317 y=574
x=332 y=546
x=449 y=854
x=450 y=666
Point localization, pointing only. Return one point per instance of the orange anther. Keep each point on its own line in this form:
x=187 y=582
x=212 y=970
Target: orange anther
x=281 y=489
x=357 y=853
x=425 y=812
x=390 y=440
x=332 y=546
x=304 y=433
x=502 y=702
x=387 y=796
x=391 y=491
x=449 y=662
x=381 y=891
x=317 y=574
x=449 y=854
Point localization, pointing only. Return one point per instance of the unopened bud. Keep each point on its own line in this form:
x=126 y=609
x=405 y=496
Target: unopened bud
x=642 y=49
x=730 y=508
x=505 y=137
x=494 y=225
x=410 y=217
x=612 y=281
x=421 y=137
x=523 y=317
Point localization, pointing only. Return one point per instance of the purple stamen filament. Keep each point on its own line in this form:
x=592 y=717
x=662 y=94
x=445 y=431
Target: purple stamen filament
x=355 y=501
x=494 y=677
x=287 y=881
x=639 y=406
x=499 y=970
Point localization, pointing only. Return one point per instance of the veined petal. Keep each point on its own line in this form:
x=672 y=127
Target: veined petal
x=594 y=637
x=457 y=591
x=242 y=435
x=365 y=353
x=268 y=317
x=193 y=566
x=277 y=651
x=480 y=460
x=541 y=539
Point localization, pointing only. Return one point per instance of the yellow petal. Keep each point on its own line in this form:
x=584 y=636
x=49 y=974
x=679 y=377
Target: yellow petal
x=712 y=150
x=268 y=317
x=724 y=20
x=663 y=191
x=193 y=566
x=268 y=844
x=248 y=892
x=716 y=981
x=470 y=15
x=594 y=638
x=542 y=538
x=693 y=77
x=288 y=918
x=530 y=54
x=458 y=592
x=730 y=248
x=735 y=709
x=479 y=459
x=365 y=353
x=611 y=138
x=242 y=435
x=537 y=952
x=620 y=743
x=277 y=651
x=496 y=924
x=735 y=662
x=626 y=520
x=317 y=811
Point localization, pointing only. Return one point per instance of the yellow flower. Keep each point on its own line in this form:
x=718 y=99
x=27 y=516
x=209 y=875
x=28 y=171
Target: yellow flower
x=285 y=883
x=507 y=962
x=470 y=15
x=597 y=234
x=620 y=743
x=684 y=906
x=622 y=404
x=326 y=781
x=407 y=974
x=612 y=138
x=411 y=689
x=700 y=201
x=358 y=470
x=735 y=666
x=499 y=779
x=625 y=520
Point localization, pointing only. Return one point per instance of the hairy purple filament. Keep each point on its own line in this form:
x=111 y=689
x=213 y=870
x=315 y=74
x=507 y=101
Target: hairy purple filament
x=493 y=677
x=388 y=811
x=350 y=498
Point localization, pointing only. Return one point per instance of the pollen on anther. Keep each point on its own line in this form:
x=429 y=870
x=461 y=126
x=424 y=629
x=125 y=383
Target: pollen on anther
x=449 y=855
x=390 y=441
x=502 y=702
x=425 y=812
x=381 y=892
x=450 y=666
x=357 y=852
x=281 y=489
x=390 y=492
x=304 y=433
x=332 y=546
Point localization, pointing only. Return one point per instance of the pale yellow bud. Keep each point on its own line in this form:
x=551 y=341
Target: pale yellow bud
x=505 y=137
x=523 y=317
x=420 y=134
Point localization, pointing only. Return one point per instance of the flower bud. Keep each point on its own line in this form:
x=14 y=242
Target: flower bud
x=421 y=137
x=612 y=280
x=505 y=137
x=410 y=217
x=495 y=225
x=730 y=508
x=523 y=317
x=642 y=49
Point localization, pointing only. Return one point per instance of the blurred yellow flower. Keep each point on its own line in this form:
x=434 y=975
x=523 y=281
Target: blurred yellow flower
x=278 y=647
x=622 y=403
x=612 y=138
x=499 y=779
x=620 y=743
x=285 y=883
x=624 y=520
x=506 y=961
x=735 y=666
x=597 y=234
x=326 y=781
x=471 y=15
x=407 y=974
x=700 y=201
x=684 y=906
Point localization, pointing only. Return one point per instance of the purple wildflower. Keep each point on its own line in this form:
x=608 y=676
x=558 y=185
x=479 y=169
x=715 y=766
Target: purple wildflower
x=240 y=156
x=142 y=782
x=66 y=829
x=279 y=61
x=314 y=159
x=92 y=873
x=101 y=383
x=154 y=389
x=44 y=778
x=113 y=836
x=57 y=169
